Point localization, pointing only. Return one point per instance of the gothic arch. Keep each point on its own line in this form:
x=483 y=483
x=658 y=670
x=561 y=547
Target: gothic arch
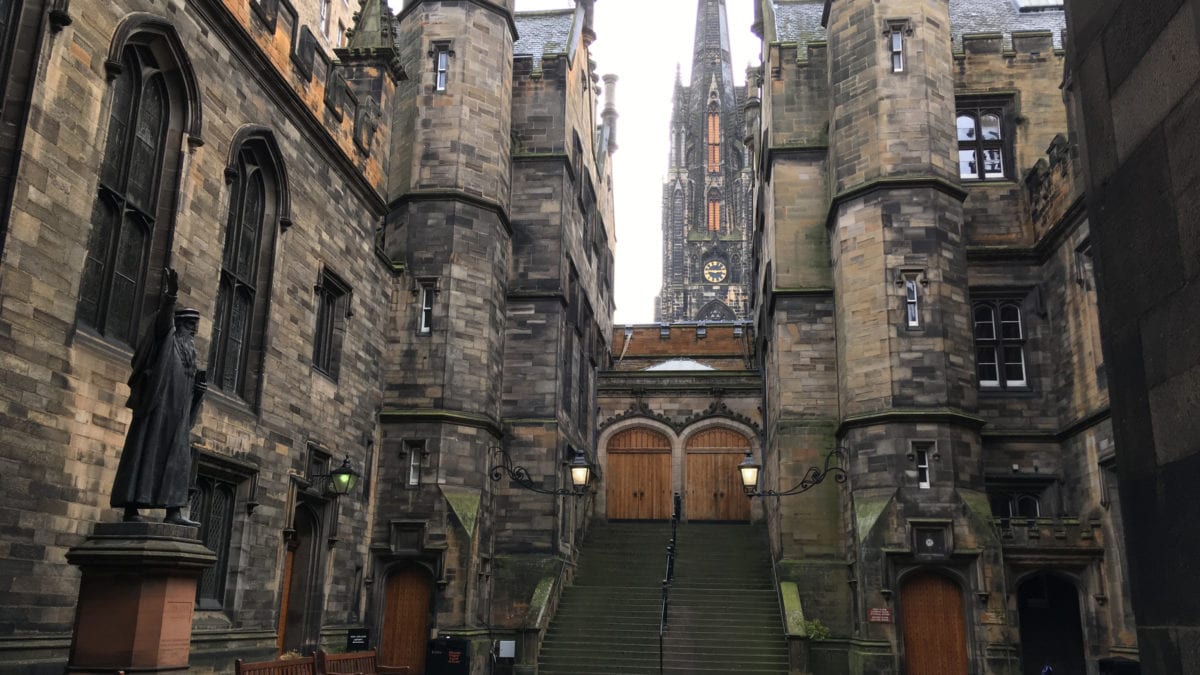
x=625 y=424
x=158 y=34
x=715 y=310
x=264 y=137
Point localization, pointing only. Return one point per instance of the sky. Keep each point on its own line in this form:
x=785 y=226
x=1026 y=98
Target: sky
x=641 y=41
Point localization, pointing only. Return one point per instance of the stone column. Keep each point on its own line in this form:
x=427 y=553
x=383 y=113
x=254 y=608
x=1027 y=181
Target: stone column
x=136 y=597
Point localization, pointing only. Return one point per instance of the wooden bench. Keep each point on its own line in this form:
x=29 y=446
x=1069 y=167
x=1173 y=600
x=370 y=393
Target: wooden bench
x=304 y=666
x=351 y=663
x=356 y=663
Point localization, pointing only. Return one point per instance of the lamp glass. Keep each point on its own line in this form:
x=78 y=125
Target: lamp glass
x=749 y=472
x=581 y=471
x=343 y=479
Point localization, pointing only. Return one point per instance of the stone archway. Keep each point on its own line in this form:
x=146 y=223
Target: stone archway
x=1051 y=634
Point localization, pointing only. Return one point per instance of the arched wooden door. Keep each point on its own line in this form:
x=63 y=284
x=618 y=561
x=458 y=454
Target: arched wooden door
x=638 y=475
x=714 y=490
x=405 y=628
x=935 y=639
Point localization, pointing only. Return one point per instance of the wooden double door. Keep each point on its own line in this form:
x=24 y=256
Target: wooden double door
x=638 y=476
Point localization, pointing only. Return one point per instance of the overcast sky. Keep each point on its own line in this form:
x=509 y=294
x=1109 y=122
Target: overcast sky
x=641 y=41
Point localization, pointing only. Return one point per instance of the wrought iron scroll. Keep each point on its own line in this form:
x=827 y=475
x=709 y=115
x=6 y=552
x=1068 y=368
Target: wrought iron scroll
x=520 y=475
x=815 y=475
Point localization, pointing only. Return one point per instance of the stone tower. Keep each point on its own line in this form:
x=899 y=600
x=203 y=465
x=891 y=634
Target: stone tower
x=706 y=196
x=449 y=223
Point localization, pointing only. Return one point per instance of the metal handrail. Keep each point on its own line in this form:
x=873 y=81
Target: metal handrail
x=668 y=578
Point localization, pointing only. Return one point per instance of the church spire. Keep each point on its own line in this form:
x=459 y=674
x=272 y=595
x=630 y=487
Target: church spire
x=710 y=53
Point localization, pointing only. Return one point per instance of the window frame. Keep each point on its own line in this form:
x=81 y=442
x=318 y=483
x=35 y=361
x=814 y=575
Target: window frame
x=712 y=138
x=912 y=284
x=976 y=108
x=999 y=344
x=254 y=160
x=334 y=299
x=415 y=453
x=326 y=12
x=921 y=454
x=440 y=52
x=146 y=215
x=426 y=293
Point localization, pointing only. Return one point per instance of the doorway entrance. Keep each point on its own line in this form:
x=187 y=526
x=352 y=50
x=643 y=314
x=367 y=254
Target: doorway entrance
x=404 y=630
x=639 y=475
x=300 y=597
x=714 y=490
x=1048 y=607
x=931 y=615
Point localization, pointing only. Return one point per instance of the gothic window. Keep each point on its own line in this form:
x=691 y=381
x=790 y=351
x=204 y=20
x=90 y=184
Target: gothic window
x=984 y=142
x=714 y=210
x=999 y=344
x=129 y=234
x=211 y=504
x=256 y=208
x=714 y=139
x=333 y=308
x=1014 y=499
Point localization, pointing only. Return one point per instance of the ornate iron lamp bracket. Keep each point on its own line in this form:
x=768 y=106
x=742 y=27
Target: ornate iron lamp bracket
x=520 y=475
x=814 y=476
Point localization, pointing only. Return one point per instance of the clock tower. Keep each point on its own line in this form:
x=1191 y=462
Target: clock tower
x=706 y=194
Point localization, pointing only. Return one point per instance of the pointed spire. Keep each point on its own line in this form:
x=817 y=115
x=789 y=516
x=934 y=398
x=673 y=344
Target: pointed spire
x=373 y=35
x=710 y=56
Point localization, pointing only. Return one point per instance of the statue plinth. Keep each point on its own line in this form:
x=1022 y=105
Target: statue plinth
x=136 y=597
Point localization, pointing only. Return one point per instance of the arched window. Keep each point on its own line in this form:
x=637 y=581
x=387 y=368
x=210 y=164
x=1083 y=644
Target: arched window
x=256 y=211
x=714 y=210
x=153 y=103
x=714 y=139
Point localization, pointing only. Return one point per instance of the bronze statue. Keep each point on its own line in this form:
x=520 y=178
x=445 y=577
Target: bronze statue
x=166 y=390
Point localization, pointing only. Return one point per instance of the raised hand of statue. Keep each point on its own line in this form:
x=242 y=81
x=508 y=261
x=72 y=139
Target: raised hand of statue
x=171 y=281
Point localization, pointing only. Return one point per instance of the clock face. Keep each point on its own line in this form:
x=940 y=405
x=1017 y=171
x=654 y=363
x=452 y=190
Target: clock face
x=715 y=271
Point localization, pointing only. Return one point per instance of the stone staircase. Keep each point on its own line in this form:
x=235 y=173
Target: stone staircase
x=724 y=615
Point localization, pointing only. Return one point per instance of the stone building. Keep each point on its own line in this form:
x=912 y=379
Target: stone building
x=1136 y=70
x=400 y=237
x=925 y=301
x=706 y=195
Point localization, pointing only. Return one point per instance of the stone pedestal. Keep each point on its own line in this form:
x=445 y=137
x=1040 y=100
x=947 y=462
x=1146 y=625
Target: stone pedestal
x=136 y=597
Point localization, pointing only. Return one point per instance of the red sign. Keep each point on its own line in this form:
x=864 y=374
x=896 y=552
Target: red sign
x=879 y=614
x=454 y=657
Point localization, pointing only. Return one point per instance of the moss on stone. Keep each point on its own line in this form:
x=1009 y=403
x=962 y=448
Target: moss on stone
x=465 y=504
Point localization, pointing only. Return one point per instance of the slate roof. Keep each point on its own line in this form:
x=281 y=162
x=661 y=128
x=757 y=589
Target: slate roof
x=801 y=21
x=1002 y=16
x=542 y=33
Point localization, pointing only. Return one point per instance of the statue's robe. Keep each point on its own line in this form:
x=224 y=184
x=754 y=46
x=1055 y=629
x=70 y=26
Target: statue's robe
x=155 y=467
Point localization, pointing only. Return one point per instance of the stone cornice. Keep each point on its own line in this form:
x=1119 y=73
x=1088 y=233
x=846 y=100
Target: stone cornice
x=902 y=416
x=440 y=416
x=453 y=195
x=865 y=188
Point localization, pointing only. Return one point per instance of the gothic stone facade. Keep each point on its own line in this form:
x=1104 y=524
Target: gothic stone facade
x=706 y=196
x=925 y=301
x=400 y=238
